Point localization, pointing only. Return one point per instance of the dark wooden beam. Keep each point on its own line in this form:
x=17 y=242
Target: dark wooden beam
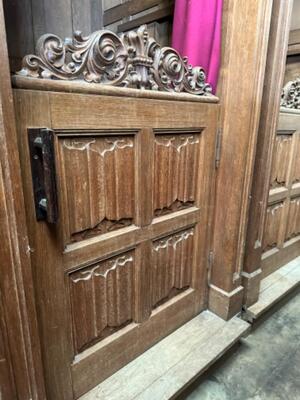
x=127 y=9
x=156 y=15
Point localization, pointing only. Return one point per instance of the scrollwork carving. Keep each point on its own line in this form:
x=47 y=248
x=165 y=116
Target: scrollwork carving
x=131 y=60
x=290 y=97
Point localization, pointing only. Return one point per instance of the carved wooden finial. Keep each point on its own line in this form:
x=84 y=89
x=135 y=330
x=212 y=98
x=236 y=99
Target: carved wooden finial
x=131 y=60
x=290 y=97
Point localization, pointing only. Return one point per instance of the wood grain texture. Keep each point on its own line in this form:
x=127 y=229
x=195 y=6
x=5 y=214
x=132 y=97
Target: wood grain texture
x=54 y=322
x=273 y=83
x=275 y=287
x=27 y=20
x=94 y=88
x=282 y=227
x=176 y=156
x=293 y=219
x=97 y=184
x=281 y=160
x=172 y=266
x=18 y=311
x=20 y=35
x=106 y=168
x=272 y=226
x=96 y=310
x=87 y=15
x=51 y=16
x=7 y=384
x=105 y=358
x=243 y=50
x=274 y=79
x=118 y=12
x=161 y=372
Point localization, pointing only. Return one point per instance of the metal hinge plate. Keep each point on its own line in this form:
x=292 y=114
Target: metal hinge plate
x=210 y=264
x=218 y=147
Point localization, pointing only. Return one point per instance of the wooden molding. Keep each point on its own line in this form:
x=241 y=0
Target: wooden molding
x=225 y=304
x=240 y=111
x=132 y=59
x=156 y=15
x=18 y=314
x=126 y=9
x=294 y=43
x=277 y=48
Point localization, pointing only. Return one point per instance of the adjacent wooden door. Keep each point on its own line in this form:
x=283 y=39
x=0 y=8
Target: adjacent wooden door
x=282 y=227
x=123 y=260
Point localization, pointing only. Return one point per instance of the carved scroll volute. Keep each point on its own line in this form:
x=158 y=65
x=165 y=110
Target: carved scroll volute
x=133 y=60
x=290 y=97
x=100 y=57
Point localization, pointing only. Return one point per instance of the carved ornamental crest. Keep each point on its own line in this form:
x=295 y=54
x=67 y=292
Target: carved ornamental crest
x=290 y=97
x=131 y=60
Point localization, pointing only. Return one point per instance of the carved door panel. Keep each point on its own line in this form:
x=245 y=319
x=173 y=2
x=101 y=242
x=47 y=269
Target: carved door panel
x=125 y=263
x=282 y=227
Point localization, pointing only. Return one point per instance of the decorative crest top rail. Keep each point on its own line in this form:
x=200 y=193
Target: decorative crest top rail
x=290 y=97
x=131 y=60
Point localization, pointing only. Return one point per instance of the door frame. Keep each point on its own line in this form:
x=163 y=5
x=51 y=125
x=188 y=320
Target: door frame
x=19 y=323
x=274 y=76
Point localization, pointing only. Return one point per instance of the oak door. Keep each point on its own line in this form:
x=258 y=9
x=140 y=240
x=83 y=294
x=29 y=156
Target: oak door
x=282 y=228
x=122 y=260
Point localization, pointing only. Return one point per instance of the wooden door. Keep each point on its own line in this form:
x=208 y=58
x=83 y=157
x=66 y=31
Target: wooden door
x=282 y=227
x=125 y=263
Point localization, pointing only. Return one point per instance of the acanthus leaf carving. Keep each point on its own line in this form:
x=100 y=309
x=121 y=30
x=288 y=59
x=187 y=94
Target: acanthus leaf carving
x=290 y=97
x=132 y=59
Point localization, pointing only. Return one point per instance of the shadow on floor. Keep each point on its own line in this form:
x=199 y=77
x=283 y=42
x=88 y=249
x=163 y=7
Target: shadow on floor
x=264 y=366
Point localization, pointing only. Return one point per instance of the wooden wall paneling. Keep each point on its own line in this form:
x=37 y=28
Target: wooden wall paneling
x=292 y=70
x=281 y=239
x=7 y=384
x=116 y=12
x=87 y=16
x=274 y=76
x=16 y=284
x=32 y=109
x=294 y=42
x=52 y=16
x=157 y=14
x=19 y=30
x=27 y=20
x=151 y=271
x=243 y=50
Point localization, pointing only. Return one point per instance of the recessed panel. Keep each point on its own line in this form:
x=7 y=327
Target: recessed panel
x=272 y=226
x=172 y=259
x=281 y=160
x=296 y=166
x=97 y=184
x=293 y=223
x=102 y=297
x=175 y=171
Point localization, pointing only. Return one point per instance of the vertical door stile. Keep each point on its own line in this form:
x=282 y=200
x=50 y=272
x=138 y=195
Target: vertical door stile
x=144 y=215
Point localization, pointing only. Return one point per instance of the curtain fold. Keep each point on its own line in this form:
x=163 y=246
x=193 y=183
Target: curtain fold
x=197 y=34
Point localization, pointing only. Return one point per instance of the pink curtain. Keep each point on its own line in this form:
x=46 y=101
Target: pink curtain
x=197 y=34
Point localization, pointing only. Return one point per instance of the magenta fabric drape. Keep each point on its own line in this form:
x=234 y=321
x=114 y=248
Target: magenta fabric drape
x=197 y=34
